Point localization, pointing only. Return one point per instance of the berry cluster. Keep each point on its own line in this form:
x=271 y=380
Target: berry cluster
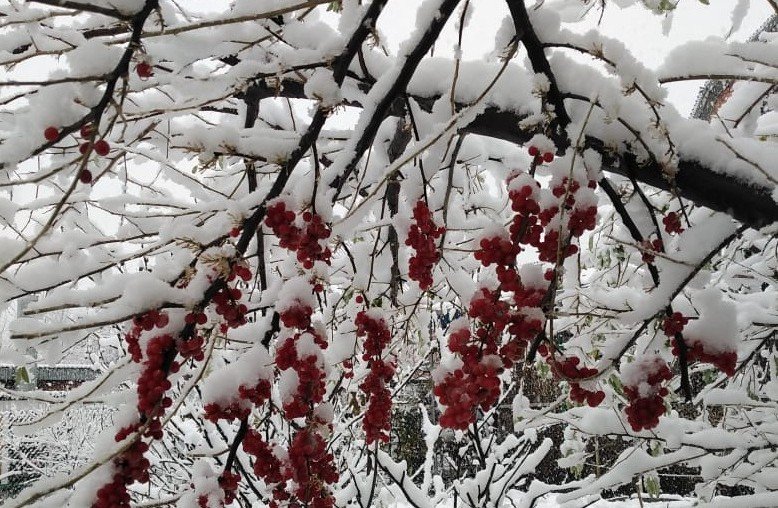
x=581 y=395
x=297 y=315
x=306 y=240
x=421 y=237
x=140 y=323
x=153 y=381
x=645 y=392
x=672 y=222
x=725 y=361
x=497 y=250
x=546 y=157
x=312 y=469
x=476 y=384
x=100 y=147
x=240 y=408
x=310 y=373
x=377 y=419
x=129 y=467
x=674 y=323
x=654 y=245
x=571 y=368
x=228 y=307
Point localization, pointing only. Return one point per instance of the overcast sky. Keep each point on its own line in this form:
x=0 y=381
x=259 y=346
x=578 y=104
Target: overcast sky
x=639 y=29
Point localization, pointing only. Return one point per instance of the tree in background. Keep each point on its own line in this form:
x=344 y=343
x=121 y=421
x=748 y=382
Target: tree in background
x=275 y=224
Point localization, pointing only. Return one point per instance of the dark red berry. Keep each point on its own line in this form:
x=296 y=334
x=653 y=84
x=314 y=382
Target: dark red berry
x=85 y=176
x=144 y=70
x=548 y=157
x=87 y=130
x=533 y=151
x=51 y=133
x=102 y=147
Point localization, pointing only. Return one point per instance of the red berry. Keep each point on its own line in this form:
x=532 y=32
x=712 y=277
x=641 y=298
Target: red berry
x=548 y=157
x=51 y=133
x=533 y=151
x=235 y=232
x=84 y=148
x=102 y=147
x=359 y=299
x=144 y=70
x=85 y=176
x=87 y=130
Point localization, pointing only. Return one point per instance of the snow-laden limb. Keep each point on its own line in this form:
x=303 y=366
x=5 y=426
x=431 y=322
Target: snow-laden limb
x=317 y=270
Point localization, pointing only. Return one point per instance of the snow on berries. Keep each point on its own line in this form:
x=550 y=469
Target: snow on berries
x=643 y=381
x=308 y=239
x=231 y=391
x=421 y=238
x=713 y=337
x=377 y=419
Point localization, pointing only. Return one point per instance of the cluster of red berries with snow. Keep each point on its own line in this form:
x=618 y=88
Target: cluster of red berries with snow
x=649 y=248
x=240 y=408
x=672 y=222
x=129 y=467
x=302 y=354
x=100 y=147
x=643 y=382
x=228 y=482
x=306 y=240
x=697 y=350
x=476 y=383
x=421 y=238
x=571 y=369
x=228 y=306
x=377 y=418
x=546 y=157
x=485 y=352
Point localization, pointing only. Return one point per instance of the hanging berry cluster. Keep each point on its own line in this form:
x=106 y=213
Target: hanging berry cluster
x=570 y=368
x=514 y=309
x=421 y=238
x=643 y=386
x=131 y=465
x=306 y=240
x=159 y=361
x=101 y=147
x=697 y=350
x=307 y=466
x=377 y=419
